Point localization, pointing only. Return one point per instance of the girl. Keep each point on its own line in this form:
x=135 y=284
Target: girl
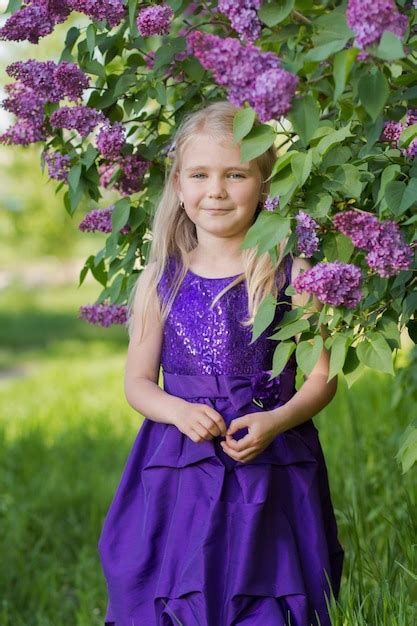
x=223 y=515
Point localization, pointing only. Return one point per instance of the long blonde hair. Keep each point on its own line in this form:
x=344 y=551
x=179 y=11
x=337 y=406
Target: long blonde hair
x=173 y=233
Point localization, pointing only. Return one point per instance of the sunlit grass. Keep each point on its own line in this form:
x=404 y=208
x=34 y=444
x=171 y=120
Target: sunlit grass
x=66 y=430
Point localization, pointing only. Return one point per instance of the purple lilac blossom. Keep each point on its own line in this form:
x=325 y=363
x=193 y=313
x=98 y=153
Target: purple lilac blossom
x=71 y=80
x=100 y=220
x=268 y=85
x=388 y=252
x=243 y=17
x=28 y=23
x=155 y=20
x=133 y=168
x=411 y=116
x=58 y=164
x=392 y=131
x=336 y=283
x=411 y=150
x=38 y=76
x=369 y=19
x=110 y=140
x=83 y=119
x=24 y=103
x=238 y=68
x=23 y=133
x=112 y=11
x=103 y=314
x=308 y=242
x=270 y=204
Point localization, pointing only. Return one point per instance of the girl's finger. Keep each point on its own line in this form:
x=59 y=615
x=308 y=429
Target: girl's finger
x=201 y=430
x=239 y=456
x=240 y=444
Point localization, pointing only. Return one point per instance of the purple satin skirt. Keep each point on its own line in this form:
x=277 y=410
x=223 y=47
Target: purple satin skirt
x=193 y=537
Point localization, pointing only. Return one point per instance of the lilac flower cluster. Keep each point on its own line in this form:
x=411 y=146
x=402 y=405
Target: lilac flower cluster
x=38 y=18
x=271 y=203
x=49 y=80
x=111 y=11
x=23 y=133
x=58 y=164
x=241 y=70
x=103 y=314
x=155 y=20
x=133 y=168
x=308 y=242
x=392 y=132
x=38 y=82
x=83 y=119
x=110 y=140
x=99 y=220
x=388 y=252
x=369 y=19
x=336 y=283
x=243 y=17
x=34 y=20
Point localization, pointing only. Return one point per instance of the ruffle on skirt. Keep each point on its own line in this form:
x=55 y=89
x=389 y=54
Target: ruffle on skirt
x=193 y=537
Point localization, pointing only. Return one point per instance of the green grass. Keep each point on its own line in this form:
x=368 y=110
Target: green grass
x=66 y=430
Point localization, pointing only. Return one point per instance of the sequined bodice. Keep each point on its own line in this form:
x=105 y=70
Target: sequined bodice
x=199 y=340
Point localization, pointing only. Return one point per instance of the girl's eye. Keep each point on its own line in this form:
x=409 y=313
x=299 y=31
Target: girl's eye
x=235 y=174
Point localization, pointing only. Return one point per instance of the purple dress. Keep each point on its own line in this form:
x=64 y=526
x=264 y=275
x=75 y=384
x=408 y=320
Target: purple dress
x=193 y=537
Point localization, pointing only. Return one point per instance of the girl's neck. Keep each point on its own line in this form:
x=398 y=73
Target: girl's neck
x=214 y=267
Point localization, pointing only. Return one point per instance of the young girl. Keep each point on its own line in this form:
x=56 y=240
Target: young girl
x=223 y=516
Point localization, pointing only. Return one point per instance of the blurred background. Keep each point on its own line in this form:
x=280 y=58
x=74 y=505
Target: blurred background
x=66 y=428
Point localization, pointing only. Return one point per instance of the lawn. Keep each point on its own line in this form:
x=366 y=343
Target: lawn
x=66 y=430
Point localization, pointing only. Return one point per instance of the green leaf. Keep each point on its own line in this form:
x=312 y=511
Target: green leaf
x=263 y=317
x=74 y=176
x=332 y=139
x=301 y=166
x=407 y=136
x=390 y=47
x=283 y=183
x=346 y=179
x=125 y=81
x=282 y=162
x=331 y=26
x=274 y=12
x=268 y=230
x=338 y=247
x=400 y=197
x=243 y=123
x=388 y=174
x=304 y=117
x=373 y=92
x=337 y=355
x=13 y=6
x=388 y=327
x=288 y=331
x=375 y=352
x=193 y=69
x=281 y=355
x=89 y=156
x=407 y=453
x=352 y=368
x=91 y=39
x=256 y=142
x=320 y=53
x=308 y=353
x=120 y=214
x=342 y=65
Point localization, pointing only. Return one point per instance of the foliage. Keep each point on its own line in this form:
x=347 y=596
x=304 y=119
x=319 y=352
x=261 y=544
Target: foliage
x=336 y=154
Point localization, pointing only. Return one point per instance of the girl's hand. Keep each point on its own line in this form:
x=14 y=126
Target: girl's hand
x=262 y=428
x=199 y=422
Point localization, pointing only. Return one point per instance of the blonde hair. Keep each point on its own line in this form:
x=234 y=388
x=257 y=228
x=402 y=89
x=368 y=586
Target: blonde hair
x=173 y=233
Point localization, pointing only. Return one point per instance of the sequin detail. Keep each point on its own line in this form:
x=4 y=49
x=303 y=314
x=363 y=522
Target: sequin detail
x=198 y=340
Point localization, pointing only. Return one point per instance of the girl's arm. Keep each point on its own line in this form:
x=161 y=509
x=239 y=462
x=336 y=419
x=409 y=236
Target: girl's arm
x=315 y=393
x=143 y=363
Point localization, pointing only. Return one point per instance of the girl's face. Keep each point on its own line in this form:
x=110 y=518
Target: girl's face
x=212 y=177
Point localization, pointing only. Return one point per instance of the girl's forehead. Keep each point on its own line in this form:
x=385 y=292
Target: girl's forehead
x=205 y=147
